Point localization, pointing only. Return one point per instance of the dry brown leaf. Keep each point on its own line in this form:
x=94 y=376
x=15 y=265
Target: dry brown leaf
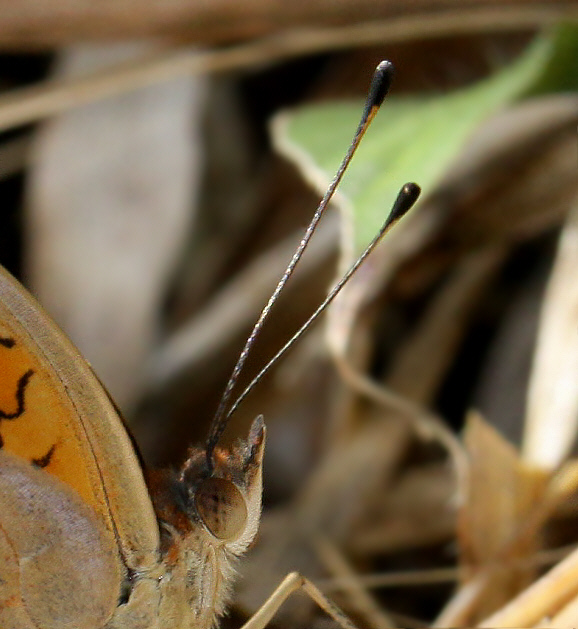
x=110 y=204
x=496 y=523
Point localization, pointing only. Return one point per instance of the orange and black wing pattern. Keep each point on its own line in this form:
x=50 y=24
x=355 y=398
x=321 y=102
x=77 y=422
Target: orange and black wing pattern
x=55 y=414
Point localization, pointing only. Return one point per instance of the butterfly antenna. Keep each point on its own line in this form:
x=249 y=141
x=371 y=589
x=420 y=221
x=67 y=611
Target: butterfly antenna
x=406 y=199
x=378 y=90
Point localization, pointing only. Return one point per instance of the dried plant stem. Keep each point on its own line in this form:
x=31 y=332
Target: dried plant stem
x=567 y=617
x=426 y=424
x=412 y=578
x=544 y=598
x=60 y=22
x=462 y=605
x=28 y=105
x=358 y=597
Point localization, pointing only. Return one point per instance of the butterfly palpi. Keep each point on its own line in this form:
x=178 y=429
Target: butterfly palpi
x=87 y=539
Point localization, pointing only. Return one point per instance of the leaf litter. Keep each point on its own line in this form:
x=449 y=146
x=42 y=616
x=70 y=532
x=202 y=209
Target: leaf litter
x=453 y=526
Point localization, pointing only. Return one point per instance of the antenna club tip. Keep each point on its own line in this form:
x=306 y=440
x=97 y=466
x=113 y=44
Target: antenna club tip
x=380 y=84
x=385 y=66
x=412 y=191
x=406 y=199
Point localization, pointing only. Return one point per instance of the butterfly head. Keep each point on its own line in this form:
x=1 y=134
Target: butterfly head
x=226 y=500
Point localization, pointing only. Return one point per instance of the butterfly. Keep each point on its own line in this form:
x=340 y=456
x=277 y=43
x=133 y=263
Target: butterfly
x=80 y=541
x=88 y=540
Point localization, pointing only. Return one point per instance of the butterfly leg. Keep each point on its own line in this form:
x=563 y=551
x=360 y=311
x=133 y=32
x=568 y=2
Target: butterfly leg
x=291 y=583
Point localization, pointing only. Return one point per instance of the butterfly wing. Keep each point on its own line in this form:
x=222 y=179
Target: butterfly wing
x=59 y=565
x=55 y=413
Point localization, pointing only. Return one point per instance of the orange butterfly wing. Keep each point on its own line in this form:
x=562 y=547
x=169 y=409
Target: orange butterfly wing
x=55 y=413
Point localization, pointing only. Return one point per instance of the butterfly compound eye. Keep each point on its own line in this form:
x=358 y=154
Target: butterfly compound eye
x=221 y=507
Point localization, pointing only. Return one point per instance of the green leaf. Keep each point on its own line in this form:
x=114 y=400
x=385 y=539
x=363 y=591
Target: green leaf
x=412 y=139
x=560 y=71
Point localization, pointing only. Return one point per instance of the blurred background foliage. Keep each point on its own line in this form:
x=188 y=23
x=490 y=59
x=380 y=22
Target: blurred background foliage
x=157 y=165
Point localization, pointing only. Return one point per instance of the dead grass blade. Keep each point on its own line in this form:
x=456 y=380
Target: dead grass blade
x=552 y=404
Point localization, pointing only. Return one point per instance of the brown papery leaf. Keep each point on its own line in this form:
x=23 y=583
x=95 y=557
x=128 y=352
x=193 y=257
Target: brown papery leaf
x=499 y=525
